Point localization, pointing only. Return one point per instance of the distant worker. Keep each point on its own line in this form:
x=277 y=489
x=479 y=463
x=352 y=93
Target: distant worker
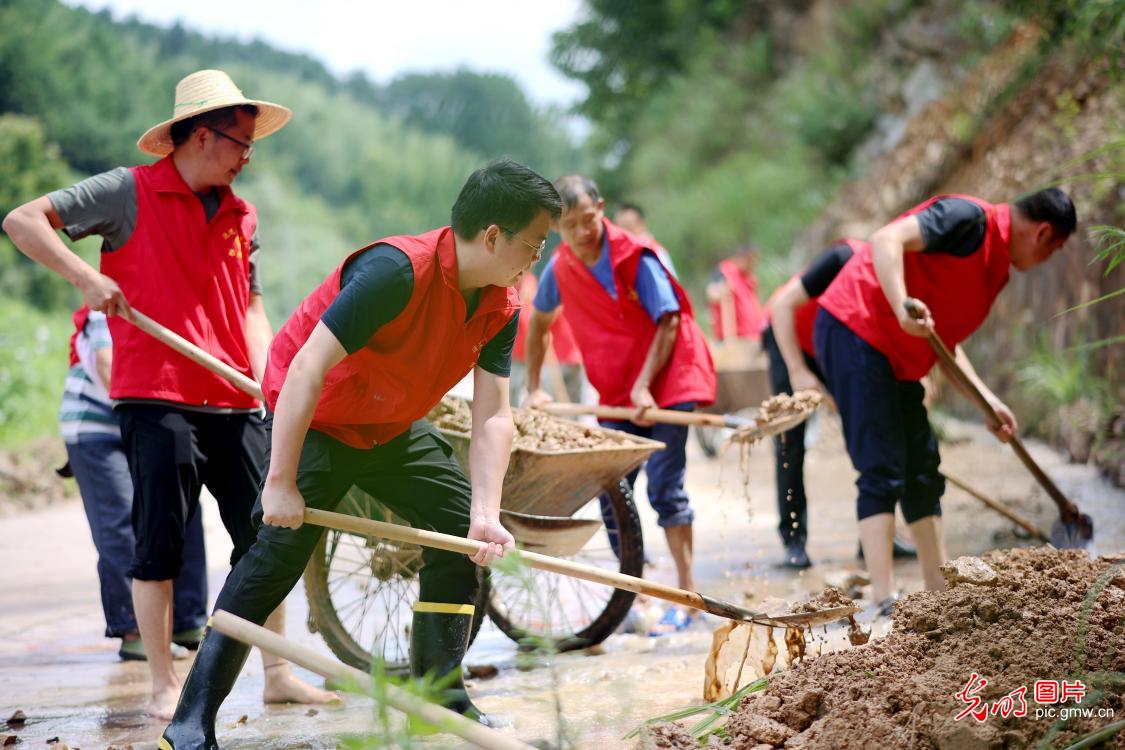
x=631 y=218
x=733 y=294
x=97 y=461
x=641 y=346
x=952 y=255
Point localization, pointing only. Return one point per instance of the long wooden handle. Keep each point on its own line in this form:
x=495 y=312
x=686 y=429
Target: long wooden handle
x=450 y=543
x=194 y=353
x=999 y=507
x=432 y=714
x=1067 y=510
x=664 y=416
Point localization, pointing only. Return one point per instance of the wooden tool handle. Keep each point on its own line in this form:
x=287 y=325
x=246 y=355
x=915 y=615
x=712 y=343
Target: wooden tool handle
x=433 y=714
x=194 y=353
x=450 y=543
x=999 y=507
x=624 y=413
x=1067 y=510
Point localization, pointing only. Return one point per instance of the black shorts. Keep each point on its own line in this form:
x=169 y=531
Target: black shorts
x=173 y=453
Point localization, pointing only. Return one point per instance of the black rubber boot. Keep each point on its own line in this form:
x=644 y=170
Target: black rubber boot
x=438 y=642
x=217 y=665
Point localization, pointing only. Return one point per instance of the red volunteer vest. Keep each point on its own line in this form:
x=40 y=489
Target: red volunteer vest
x=374 y=394
x=614 y=334
x=191 y=276
x=958 y=291
x=804 y=317
x=79 y=318
x=562 y=337
x=748 y=318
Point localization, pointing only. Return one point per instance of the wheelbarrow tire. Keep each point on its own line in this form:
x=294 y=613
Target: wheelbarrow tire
x=323 y=615
x=631 y=559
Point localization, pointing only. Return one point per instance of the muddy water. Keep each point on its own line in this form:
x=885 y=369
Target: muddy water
x=56 y=668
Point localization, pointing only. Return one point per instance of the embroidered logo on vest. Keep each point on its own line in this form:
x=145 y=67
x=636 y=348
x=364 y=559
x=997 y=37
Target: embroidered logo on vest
x=235 y=250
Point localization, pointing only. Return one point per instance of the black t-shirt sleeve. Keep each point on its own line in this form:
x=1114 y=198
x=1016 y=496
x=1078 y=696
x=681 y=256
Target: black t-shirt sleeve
x=953 y=226
x=374 y=288
x=820 y=273
x=496 y=356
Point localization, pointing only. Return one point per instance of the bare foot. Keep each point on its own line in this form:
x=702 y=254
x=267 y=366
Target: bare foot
x=282 y=686
x=163 y=703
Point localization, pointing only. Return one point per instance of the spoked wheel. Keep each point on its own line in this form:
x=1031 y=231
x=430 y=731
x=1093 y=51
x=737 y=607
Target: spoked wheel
x=569 y=613
x=362 y=590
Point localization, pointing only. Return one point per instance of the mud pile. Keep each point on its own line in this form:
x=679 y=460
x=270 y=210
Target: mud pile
x=535 y=430
x=1012 y=617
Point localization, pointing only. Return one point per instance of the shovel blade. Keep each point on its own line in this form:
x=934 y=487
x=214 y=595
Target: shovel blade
x=1074 y=534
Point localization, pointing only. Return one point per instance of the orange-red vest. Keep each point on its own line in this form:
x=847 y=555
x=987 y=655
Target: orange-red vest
x=805 y=315
x=79 y=319
x=374 y=394
x=562 y=337
x=959 y=292
x=748 y=319
x=614 y=335
x=191 y=276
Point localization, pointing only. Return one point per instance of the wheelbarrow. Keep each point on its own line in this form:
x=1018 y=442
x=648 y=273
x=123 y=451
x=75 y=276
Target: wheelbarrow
x=361 y=590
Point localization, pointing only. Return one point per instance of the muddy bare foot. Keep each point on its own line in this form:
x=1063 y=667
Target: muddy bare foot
x=282 y=686
x=163 y=703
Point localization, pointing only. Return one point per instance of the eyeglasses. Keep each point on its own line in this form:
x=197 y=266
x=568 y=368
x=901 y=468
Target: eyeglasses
x=537 y=248
x=247 y=148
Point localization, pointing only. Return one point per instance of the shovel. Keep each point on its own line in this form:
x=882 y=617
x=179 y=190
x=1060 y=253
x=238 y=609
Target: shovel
x=747 y=429
x=1073 y=529
x=450 y=543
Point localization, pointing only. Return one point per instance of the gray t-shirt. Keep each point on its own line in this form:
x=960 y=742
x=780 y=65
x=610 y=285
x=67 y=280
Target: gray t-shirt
x=106 y=205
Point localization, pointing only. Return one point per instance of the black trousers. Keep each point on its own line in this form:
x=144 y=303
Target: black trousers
x=789 y=452
x=416 y=475
x=173 y=453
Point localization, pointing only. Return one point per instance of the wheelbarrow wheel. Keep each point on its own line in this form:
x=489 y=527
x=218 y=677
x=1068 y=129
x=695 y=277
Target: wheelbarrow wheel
x=361 y=591
x=536 y=608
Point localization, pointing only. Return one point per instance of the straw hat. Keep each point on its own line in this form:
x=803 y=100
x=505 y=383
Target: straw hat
x=204 y=91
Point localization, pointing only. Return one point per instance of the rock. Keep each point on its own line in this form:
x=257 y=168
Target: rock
x=758 y=729
x=18 y=719
x=971 y=570
x=9 y=740
x=483 y=671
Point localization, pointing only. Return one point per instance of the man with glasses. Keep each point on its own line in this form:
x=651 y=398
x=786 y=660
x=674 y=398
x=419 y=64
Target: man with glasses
x=181 y=247
x=641 y=347
x=350 y=379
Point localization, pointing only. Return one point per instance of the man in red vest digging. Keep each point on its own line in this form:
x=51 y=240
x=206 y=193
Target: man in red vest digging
x=640 y=344
x=952 y=254
x=182 y=247
x=733 y=294
x=350 y=379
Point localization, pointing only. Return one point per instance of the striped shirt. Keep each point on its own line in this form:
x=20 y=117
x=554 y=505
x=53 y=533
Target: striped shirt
x=86 y=408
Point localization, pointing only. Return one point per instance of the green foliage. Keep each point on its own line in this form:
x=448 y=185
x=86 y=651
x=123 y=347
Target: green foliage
x=713 y=713
x=1057 y=381
x=33 y=364
x=29 y=164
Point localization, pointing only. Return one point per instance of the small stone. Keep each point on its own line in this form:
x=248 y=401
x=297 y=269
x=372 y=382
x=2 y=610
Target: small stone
x=970 y=570
x=483 y=671
x=18 y=719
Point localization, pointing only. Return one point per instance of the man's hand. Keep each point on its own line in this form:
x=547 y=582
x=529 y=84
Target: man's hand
x=282 y=505
x=804 y=380
x=923 y=325
x=643 y=400
x=1007 y=428
x=101 y=293
x=496 y=537
x=537 y=398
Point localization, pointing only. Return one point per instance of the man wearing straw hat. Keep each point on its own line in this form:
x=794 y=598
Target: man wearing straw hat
x=181 y=247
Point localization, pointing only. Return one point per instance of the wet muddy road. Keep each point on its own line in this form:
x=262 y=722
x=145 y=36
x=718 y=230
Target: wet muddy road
x=55 y=667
